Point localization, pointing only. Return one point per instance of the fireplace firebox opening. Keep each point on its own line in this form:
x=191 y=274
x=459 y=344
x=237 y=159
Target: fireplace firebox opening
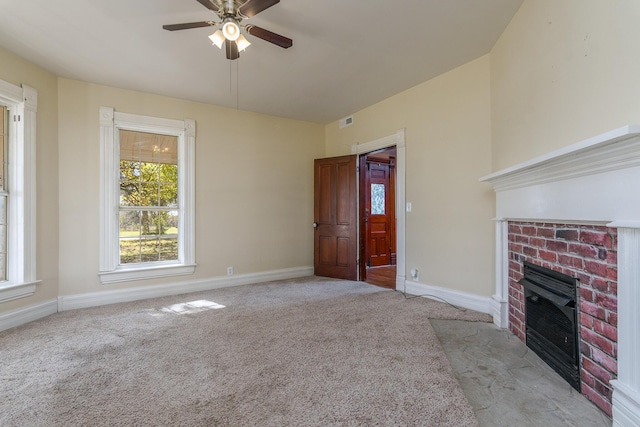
x=551 y=320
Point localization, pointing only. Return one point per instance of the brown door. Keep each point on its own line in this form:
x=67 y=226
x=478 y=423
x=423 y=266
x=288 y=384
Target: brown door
x=377 y=205
x=378 y=215
x=336 y=216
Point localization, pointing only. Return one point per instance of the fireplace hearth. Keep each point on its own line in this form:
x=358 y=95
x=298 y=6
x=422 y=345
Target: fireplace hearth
x=551 y=320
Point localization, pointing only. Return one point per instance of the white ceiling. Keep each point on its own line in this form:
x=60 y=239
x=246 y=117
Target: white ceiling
x=347 y=54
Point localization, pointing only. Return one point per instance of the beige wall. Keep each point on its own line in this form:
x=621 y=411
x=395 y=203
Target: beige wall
x=563 y=71
x=254 y=185
x=17 y=71
x=449 y=233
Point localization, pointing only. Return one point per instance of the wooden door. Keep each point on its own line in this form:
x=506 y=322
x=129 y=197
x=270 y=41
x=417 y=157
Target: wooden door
x=336 y=216
x=378 y=214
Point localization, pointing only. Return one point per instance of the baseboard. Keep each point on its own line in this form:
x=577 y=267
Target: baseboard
x=27 y=314
x=458 y=298
x=94 y=299
x=626 y=405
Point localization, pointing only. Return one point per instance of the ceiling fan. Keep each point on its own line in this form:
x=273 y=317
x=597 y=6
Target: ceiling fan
x=231 y=13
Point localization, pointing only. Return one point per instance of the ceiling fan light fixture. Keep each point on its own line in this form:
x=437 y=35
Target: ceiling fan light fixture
x=242 y=43
x=231 y=29
x=217 y=38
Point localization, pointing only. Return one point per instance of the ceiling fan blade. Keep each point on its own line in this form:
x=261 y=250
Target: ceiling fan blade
x=208 y=4
x=269 y=36
x=232 y=49
x=188 y=25
x=253 y=7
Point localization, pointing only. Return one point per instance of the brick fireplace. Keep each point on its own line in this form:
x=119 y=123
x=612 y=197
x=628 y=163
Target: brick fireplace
x=577 y=211
x=586 y=252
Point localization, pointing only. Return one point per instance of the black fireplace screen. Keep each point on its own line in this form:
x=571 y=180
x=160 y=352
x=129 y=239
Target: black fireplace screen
x=551 y=319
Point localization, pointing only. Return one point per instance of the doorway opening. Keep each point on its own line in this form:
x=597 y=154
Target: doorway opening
x=377 y=207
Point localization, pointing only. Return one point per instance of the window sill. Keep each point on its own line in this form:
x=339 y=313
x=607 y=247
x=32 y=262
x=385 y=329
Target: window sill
x=11 y=291
x=141 y=273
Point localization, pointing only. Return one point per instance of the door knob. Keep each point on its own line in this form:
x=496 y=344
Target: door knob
x=315 y=225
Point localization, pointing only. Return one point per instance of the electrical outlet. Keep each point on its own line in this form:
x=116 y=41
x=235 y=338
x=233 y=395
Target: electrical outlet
x=229 y=271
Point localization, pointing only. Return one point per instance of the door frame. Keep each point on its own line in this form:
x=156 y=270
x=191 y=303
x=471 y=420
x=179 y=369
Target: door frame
x=397 y=139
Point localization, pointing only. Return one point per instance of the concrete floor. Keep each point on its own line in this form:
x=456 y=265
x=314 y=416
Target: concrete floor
x=507 y=383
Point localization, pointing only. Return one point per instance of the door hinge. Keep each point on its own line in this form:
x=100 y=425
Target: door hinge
x=16 y=118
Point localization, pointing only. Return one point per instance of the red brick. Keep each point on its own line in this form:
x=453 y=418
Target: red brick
x=519 y=238
x=554 y=245
x=537 y=241
x=604 y=390
x=585 y=349
x=545 y=232
x=515 y=266
x=612 y=258
x=587 y=378
x=612 y=273
x=586 y=321
x=605 y=329
x=547 y=255
x=600 y=284
x=529 y=251
x=583 y=250
x=613 y=288
x=515 y=229
x=570 y=261
x=599 y=401
x=595 y=267
x=612 y=318
x=529 y=230
x=585 y=279
x=594 y=237
x=593 y=310
x=596 y=370
x=515 y=247
x=605 y=361
x=607 y=301
x=586 y=294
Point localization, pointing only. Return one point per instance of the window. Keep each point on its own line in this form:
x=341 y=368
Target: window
x=18 y=107
x=148 y=197
x=147 y=187
x=4 y=195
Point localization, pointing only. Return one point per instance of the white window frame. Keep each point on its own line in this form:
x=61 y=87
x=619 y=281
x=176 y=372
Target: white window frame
x=111 y=271
x=22 y=105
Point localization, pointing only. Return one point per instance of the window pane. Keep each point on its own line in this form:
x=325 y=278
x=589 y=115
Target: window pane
x=169 y=249
x=147 y=236
x=149 y=249
x=169 y=195
x=377 y=199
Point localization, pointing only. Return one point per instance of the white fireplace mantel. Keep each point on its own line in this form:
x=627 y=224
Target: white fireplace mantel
x=595 y=181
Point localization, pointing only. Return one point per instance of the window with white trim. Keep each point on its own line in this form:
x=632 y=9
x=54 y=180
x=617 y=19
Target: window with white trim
x=18 y=107
x=147 y=196
x=4 y=194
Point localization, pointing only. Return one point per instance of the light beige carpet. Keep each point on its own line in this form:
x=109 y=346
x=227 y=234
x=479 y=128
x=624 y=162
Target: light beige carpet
x=308 y=352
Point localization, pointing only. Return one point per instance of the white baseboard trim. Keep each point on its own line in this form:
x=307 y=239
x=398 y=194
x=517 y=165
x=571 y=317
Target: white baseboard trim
x=27 y=314
x=94 y=299
x=458 y=298
x=626 y=405
x=500 y=311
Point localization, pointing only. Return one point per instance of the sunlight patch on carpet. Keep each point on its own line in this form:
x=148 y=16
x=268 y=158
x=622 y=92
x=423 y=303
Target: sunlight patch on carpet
x=191 y=307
